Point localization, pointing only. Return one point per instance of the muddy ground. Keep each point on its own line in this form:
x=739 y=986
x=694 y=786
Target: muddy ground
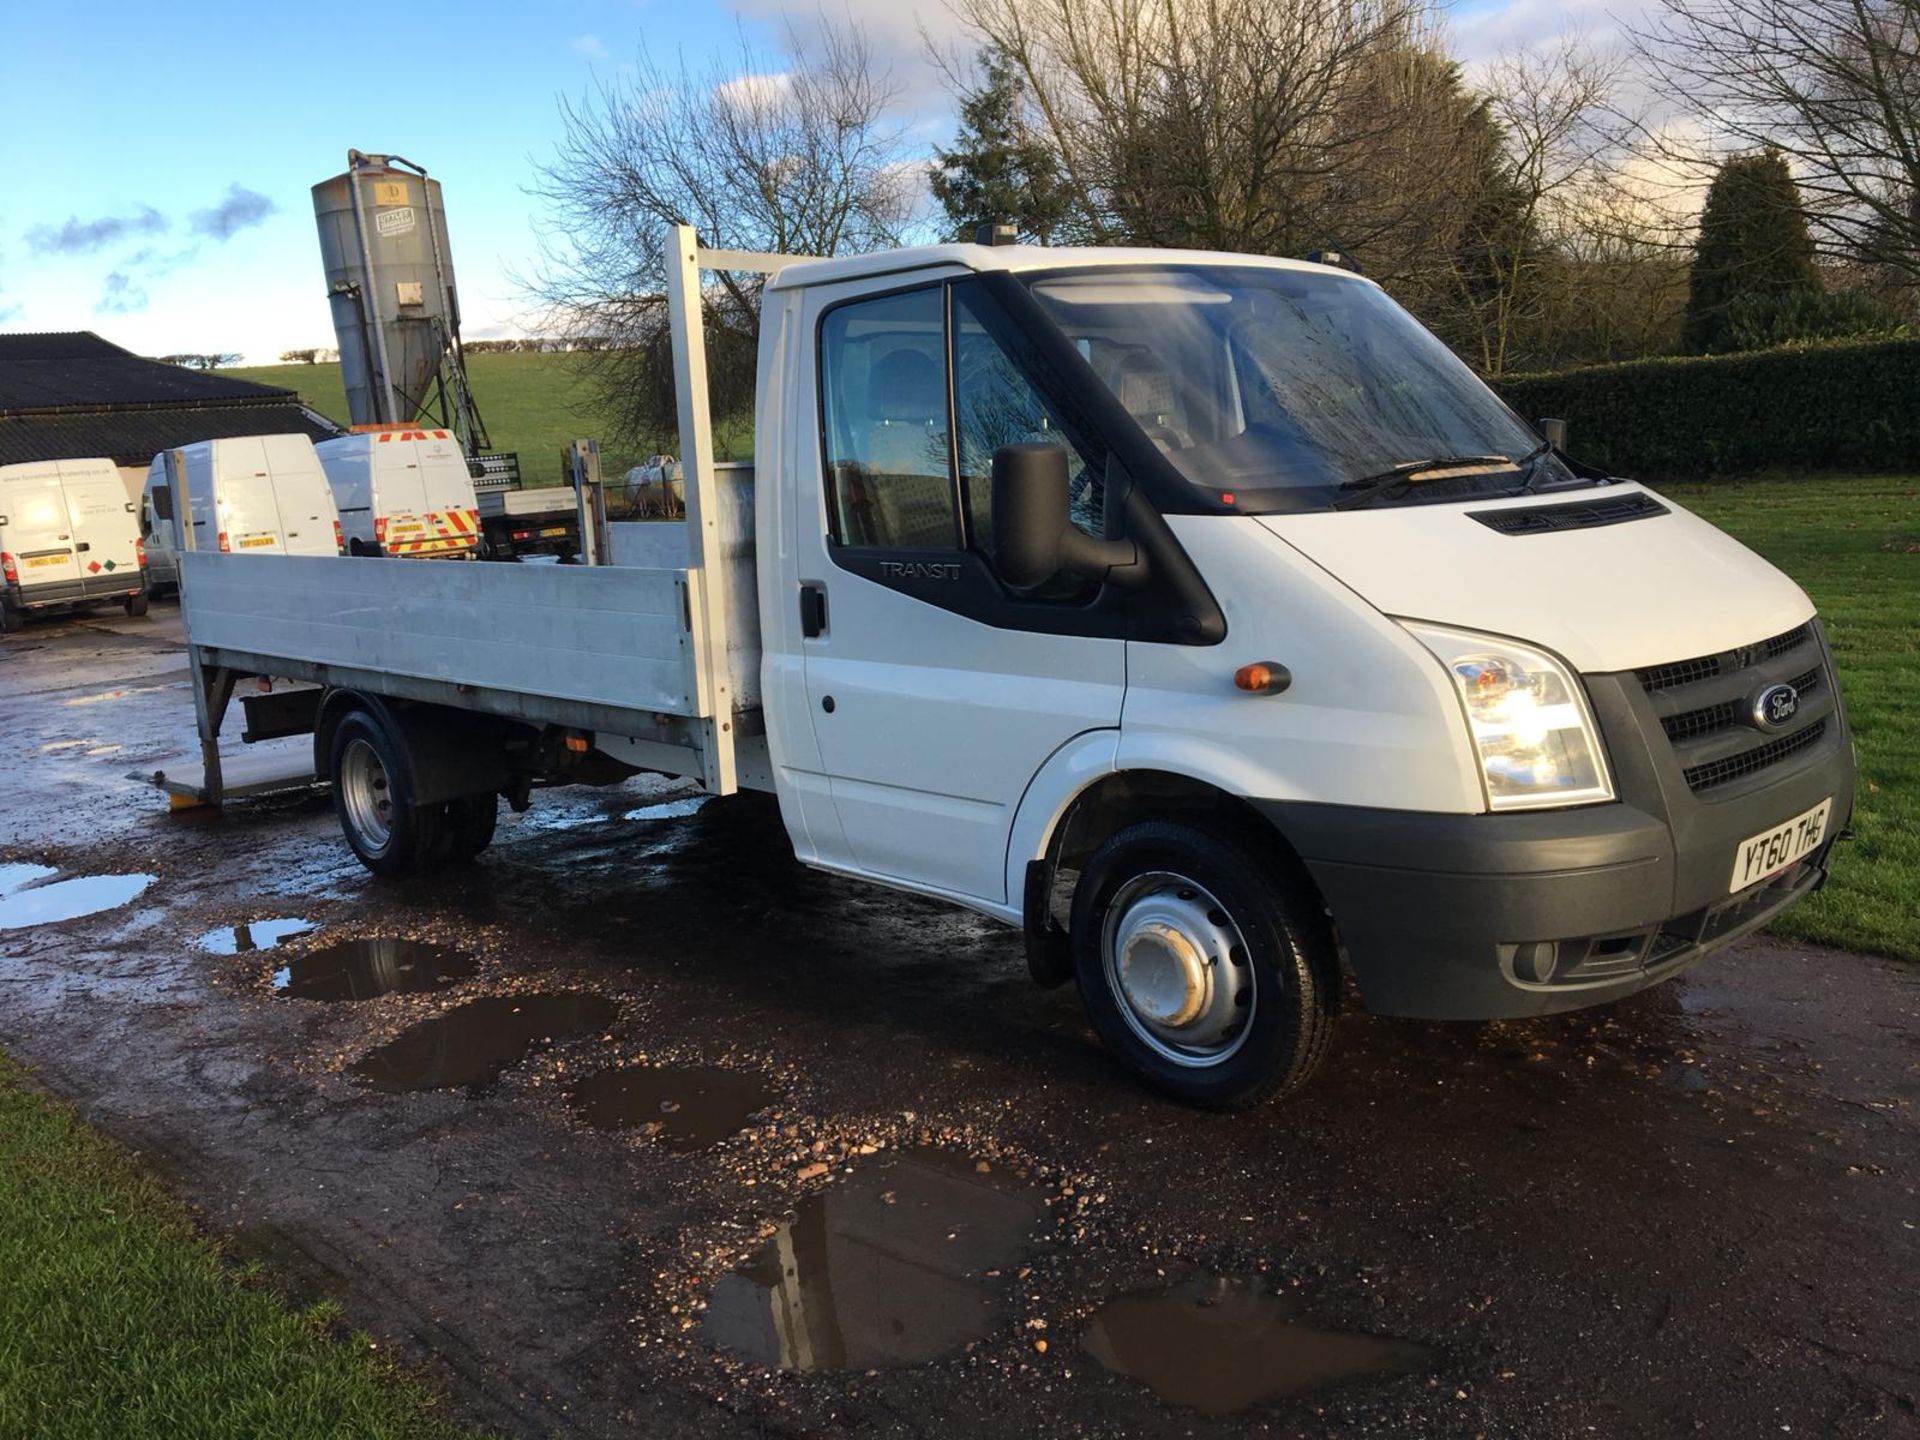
x=1691 y=1213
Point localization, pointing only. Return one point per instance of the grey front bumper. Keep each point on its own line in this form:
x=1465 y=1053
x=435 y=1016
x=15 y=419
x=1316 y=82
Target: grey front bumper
x=1444 y=916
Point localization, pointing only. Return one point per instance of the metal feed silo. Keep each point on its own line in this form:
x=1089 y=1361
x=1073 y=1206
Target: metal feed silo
x=383 y=241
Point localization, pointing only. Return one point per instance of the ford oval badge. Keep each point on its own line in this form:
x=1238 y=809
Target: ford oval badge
x=1774 y=706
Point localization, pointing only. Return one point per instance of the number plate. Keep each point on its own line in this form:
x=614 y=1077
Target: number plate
x=553 y=530
x=1772 y=851
x=254 y=542
x=36 y=561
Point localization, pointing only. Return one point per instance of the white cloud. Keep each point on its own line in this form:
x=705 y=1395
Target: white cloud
x=589 y=45
x=753 y=92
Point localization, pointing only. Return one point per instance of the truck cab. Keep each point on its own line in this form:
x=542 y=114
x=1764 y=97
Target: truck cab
x=1210 y=619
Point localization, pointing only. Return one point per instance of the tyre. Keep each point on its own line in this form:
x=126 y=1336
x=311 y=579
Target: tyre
x=359 y=550
x=136 y=605
x=372 y=799
x=1205 y=962
x=467 y=824
x=12 y=621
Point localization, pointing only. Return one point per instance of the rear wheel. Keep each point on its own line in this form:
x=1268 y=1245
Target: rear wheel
x=1205 y=963
x=372 y=797
x=11 y=620
x=467 y=824
x=136 y=604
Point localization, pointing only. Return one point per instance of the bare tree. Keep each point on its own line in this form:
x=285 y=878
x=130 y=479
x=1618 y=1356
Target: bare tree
x=1220 y=124
x=796 y=154
x=1834 y=85
x=1549 y=174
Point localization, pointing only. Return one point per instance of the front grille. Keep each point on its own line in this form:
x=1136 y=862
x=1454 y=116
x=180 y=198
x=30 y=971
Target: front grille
x=1682 y=672
x=1719 y=772
x=1705 y=705
x=1711 y=719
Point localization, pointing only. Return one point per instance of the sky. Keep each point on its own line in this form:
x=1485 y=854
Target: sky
x=156 y=160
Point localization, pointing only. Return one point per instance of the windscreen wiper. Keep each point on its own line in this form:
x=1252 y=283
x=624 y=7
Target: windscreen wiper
x=1409 y=472
x=1533 y=464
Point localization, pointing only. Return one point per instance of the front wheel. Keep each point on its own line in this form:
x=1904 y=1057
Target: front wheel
x=372 y=797
x=1205 y=962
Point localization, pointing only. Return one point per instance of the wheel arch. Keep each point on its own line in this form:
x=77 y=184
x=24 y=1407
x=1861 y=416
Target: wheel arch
x=1081 y=818
x=448 y=753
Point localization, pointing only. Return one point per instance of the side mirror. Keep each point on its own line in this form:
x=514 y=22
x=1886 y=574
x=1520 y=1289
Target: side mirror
x=1033 y=538
x=1554 y=432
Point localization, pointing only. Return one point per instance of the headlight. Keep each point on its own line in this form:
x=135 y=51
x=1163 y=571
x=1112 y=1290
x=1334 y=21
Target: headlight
x=1528 y=718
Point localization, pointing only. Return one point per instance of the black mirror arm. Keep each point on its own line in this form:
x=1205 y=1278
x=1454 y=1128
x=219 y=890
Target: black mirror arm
x=1111 y=562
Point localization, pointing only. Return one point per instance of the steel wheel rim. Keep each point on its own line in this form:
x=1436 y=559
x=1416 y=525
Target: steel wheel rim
x=1178 y=969
x=367 y=794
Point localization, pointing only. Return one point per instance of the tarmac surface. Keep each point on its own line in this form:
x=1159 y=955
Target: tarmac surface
x=636 y=1126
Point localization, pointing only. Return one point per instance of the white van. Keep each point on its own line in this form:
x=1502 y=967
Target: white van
x=1202 y=615
x=67 y=537
x=403 y=492
x=267 y=493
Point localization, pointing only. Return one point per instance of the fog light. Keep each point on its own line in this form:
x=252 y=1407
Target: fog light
x=1535 y=961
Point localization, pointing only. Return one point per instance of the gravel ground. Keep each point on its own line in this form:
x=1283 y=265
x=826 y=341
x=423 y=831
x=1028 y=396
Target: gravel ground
x=1693 y=1212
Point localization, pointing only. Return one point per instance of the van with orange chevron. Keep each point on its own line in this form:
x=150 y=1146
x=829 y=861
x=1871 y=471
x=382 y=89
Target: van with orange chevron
x=403 y=491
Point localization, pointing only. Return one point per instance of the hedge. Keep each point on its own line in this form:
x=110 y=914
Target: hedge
x=1831 y=406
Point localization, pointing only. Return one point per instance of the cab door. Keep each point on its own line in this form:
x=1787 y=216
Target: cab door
x=935 y=694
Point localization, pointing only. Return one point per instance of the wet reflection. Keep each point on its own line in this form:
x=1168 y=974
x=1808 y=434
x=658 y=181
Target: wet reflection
x=254 y=935
x=24 y=904
x=887 y=1267
x=365 y=969
x=475 y=1043
x=690 y=1107
x=1222 y=1345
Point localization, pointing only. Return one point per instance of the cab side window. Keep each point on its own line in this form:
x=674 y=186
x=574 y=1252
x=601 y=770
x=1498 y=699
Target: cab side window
x=883 y=380
x=995 y=404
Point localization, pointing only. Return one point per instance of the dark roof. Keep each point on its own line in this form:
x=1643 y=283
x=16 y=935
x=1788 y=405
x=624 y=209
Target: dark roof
x=72 y=395
x=79 y=370
x=134 y=437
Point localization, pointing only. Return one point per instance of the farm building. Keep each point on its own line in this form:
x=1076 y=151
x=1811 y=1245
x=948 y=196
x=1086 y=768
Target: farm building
x=71 y=395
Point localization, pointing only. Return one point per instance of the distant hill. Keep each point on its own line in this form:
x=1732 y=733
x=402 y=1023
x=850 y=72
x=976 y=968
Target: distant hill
x=533 y=404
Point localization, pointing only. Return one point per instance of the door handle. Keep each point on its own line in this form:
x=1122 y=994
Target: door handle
x=813 y=611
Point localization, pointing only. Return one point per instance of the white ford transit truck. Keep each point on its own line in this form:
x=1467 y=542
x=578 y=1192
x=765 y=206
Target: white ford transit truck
x=1201 y=614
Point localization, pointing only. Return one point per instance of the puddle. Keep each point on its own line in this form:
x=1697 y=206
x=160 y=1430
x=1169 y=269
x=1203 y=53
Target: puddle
x=12 y=877
x=254 y=935
x=64 y=899
x=669 y=809
x=475 y=1043
x=366 y=969
x=691 y=1107
x=1221 y=1346
x=887 y=1266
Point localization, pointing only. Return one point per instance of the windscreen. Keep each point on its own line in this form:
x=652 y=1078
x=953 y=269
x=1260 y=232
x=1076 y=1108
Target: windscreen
x=1277 y=387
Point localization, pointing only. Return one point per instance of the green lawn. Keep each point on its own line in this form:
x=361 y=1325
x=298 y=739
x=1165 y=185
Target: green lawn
x=1853 y=543
x=533 y=404
x=116 y=1320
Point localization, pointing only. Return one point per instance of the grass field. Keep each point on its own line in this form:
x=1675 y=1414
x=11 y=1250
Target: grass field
x=1853 y=543
x=533 y=404
x=117 y=1321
